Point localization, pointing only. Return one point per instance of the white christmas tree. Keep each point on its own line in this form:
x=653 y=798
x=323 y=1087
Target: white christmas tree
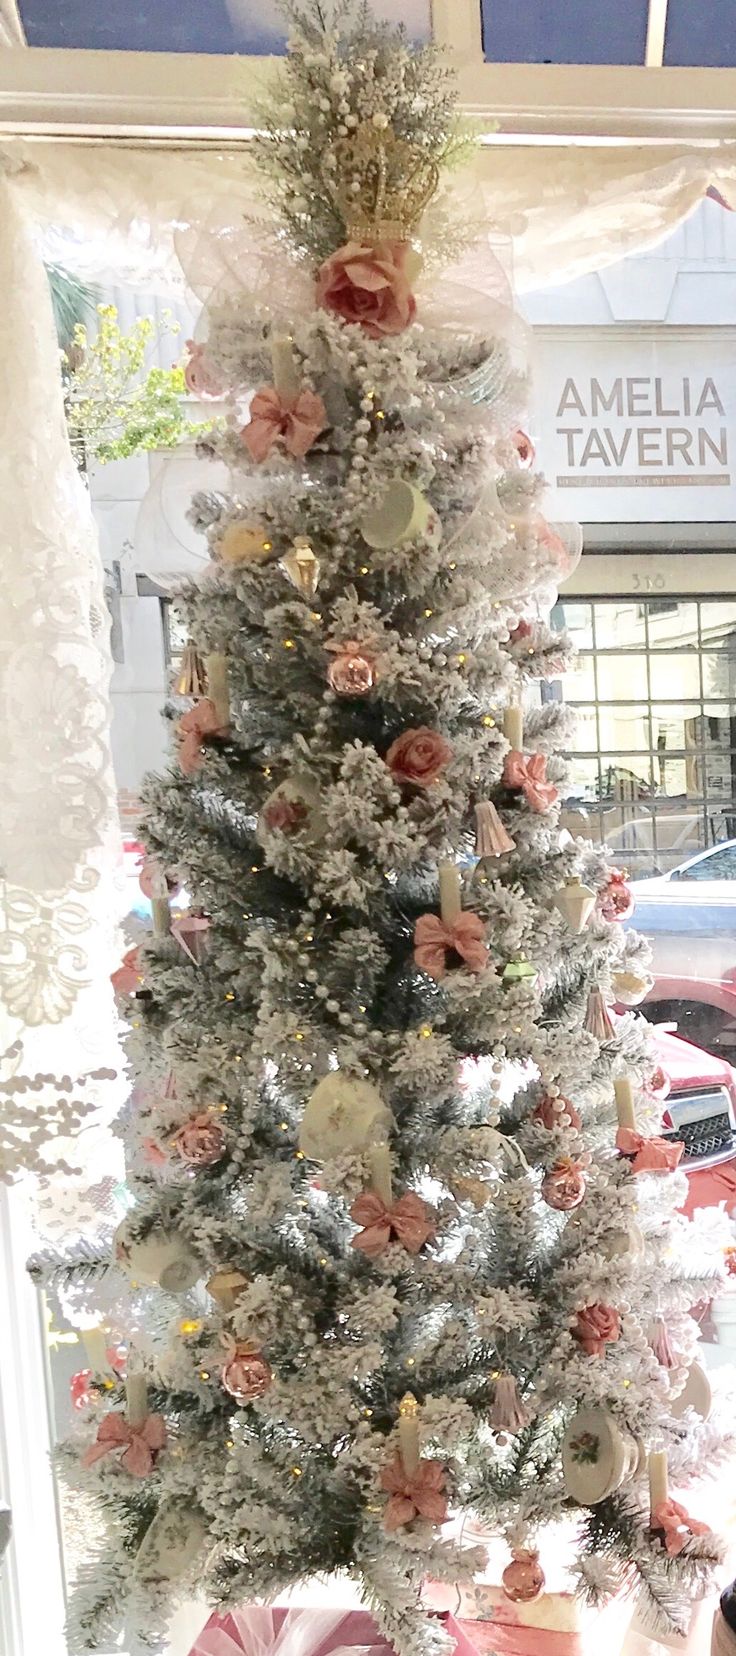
x=404 y=1239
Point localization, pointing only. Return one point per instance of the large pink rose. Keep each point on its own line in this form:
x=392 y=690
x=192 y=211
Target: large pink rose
x=370 y=285
x=595 y=1327
x=418 y=756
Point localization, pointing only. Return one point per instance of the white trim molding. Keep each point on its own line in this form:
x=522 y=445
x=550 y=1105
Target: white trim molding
x=213 y=99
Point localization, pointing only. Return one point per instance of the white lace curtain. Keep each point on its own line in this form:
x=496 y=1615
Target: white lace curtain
x=126 y=214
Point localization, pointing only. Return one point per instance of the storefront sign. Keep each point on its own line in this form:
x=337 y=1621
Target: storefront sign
x=637 y=425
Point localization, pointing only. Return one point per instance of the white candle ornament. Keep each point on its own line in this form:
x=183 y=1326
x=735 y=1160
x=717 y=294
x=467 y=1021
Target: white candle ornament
x=513 y=728
x=379 y=1157
x=218 y=689
x=409 y=1433
x=286 y=376
x=95 y=1341
x=451 y=903
x=136 y=1399
x=658 y=1480
x=624 y=1094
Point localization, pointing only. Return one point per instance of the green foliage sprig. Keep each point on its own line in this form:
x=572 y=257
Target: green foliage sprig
x=115 y=406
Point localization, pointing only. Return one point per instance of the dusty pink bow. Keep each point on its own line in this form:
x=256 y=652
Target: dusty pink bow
x=649 y=1155
x=128 y=975
x=201 y=721
x=141 y=1444
x=296 y=421
x=408 y=1221
x=416 y=1495
x=433 y=940
x=530 y=775
x=676 y=1525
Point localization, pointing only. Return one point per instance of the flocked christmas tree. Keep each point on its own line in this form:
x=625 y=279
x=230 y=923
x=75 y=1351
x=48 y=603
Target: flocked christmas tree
x=403 y=1244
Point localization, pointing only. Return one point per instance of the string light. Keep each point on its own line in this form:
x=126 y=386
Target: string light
x=229 y=1443
x=322 y=1261
x=428 y=613
x=283 y=1126
x=364 y=569
x=204 y=1374
x=299 y=1155
x=410 y=1362
x=461 y=659
x=488 y=721
x=190 y=1325
x=368 y=1414
x=299 y=1035
x=254 y=870
x=230 y=995
x=452 y=566
x=425 y=1031
x=268 y=546
x=288 y=643
x=296 y=1471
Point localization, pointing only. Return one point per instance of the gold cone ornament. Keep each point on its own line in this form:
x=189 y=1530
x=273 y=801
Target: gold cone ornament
x=576 y=903
x=302 y=567
x=191 y=679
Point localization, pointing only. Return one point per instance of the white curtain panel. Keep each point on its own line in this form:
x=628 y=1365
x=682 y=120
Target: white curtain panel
x=58 y=818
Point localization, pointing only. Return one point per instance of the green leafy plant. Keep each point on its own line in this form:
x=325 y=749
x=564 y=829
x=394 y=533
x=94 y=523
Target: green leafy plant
x=115 y=405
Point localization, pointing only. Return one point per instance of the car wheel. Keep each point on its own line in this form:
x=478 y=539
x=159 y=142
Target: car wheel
x=705 y=1025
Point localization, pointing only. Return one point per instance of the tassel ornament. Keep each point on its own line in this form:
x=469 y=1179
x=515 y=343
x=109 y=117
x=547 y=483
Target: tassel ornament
x=597 y=1020
x=507 y=1410
x=491 y=838
x=191 y=679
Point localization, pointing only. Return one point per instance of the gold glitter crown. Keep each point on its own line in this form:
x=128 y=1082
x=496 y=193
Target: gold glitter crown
x=394 y=180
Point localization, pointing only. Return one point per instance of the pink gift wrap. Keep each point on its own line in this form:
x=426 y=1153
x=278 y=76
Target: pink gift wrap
x=260 y=1631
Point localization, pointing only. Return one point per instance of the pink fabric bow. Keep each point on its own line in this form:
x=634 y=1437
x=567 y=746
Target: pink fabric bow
x=407 y=1221
x=676 y=1525
x=530 y=775
x=433 y=941
x=201 y=721
x=419 y=1495
x=140 y=1444
x=650 y=1155
x=128 y=975
x=296 y=421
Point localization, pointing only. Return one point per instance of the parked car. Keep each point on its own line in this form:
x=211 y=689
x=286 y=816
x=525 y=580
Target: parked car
x=700 y=1112
x=689 y=917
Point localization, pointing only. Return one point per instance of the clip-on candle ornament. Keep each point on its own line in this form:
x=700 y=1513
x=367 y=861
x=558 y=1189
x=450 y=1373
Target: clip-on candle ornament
x=624 y=1095
x=456 y=931
x=95 y=1342
x=136 y=1399
x=217 y=686
x=379 y=1157
x=513 y=728
x=409 y=1433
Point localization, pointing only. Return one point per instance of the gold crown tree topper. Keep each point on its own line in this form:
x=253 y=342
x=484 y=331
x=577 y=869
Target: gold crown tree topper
x=379 y=183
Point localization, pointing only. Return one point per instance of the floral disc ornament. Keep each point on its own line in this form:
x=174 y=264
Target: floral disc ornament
x=524 y=448
x=293 y=808
x=343 y=1114
x=402 y=516
x=352 y=671
x=243 y=543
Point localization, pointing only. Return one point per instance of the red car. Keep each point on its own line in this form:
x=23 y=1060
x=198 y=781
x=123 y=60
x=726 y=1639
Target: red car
x=700 y=1111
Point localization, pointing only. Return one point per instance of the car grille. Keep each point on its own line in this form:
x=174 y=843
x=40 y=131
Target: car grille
x=704 y=1138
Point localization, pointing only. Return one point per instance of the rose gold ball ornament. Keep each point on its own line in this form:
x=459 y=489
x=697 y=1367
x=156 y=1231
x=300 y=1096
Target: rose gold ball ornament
x=201 y=1141
x=563 y=1188
x=353 y=670
x=616 y=900
x=523 y=1578
x=246 y=1375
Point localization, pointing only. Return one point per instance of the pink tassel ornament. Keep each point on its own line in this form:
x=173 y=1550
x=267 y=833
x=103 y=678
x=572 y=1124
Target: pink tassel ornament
x=507 y=1410
x=491 y=838
x=597 y=1020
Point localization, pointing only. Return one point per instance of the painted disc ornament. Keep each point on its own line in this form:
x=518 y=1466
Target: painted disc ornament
x=616 y=901
x=155 y=881
x=171 y=1543
x=246 y=1375
x=563 y=1188
x=523 y=1578
x=293 y=808
x=629 y=987
x=352 y=672
x=598 y=1455
x=201 y=1141
x=343 y=1114
x=160 y=1259
x=525 y=449
x=402 y=515
x=555 y=1111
